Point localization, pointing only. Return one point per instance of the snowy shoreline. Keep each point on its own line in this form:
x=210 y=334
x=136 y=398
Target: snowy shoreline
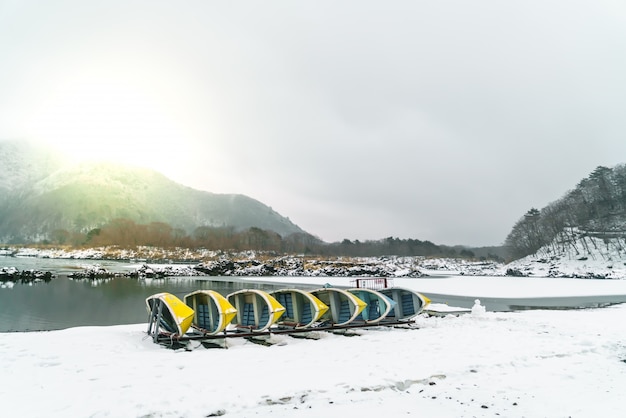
x=523 y=364
x=181 y=261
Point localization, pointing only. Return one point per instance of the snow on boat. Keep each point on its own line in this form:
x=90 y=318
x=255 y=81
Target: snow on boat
x=378 y=305
x=344 y=306
x=256 y=310
x=213 y=312
x=409 y=303
x=302 y=309
x=168 y=313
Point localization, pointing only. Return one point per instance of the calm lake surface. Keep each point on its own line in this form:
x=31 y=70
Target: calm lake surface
x=64 y=303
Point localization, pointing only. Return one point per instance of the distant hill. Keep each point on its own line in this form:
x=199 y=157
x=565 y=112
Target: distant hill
x=593 y=214
x=41 y=195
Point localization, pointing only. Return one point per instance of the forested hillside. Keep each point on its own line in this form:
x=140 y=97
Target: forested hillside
x=43 y=199
x=596 y=208
x=125 y=233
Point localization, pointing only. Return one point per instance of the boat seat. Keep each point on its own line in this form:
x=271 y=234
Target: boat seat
x=307 y=317
x=344 y=312
x=247 y=319
x=286 y=300
x=204 y=320
x=265 y=316
x=407 y=305
x=373 y=309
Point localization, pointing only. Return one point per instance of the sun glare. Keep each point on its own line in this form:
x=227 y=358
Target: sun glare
x=109 y=121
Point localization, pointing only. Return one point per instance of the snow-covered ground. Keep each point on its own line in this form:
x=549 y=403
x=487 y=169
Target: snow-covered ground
x=515 y=364
x=582 y=256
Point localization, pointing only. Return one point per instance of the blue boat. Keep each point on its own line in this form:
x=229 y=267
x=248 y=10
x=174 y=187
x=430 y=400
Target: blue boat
x=302 y=309
x=409 y=303
x=378 y=305
x=344 y=306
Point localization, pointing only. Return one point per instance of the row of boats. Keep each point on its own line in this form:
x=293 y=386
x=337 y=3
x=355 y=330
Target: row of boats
x=208 y=313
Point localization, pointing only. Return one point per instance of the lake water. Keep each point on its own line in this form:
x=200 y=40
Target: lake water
x=64 y=303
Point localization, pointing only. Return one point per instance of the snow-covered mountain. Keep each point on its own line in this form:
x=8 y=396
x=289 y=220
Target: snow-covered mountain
x=41 y=195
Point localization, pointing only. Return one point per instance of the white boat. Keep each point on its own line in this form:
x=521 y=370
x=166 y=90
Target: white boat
x=344 y=306
x=256 y=310
x=378 y=305
x=302 y=309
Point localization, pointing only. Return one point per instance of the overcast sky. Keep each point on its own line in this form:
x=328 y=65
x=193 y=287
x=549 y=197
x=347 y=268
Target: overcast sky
x=436 y=120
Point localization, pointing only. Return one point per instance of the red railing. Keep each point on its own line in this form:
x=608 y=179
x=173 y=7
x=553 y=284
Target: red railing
x=374 y=283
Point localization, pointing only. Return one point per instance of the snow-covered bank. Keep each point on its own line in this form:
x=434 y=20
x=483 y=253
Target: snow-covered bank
x=607 y=264
x=582 y=255
x=594 y=259
x=528 y=364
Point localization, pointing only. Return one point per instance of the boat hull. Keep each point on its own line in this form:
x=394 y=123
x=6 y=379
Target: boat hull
x=256 y=310
x=175 y=316
x=409 y=303
x=213 y=312
x=378 y=305
x=344 y=307
x=302 y=309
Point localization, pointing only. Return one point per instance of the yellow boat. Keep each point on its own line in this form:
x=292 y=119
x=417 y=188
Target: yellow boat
x=213 y=312
x=344 y=306
x=169 y=313
x=302 y=309
x=256 y=310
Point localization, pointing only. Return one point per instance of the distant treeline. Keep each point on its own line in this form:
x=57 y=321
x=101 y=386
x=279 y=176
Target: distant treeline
x=127 y=233
x=596 y=207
